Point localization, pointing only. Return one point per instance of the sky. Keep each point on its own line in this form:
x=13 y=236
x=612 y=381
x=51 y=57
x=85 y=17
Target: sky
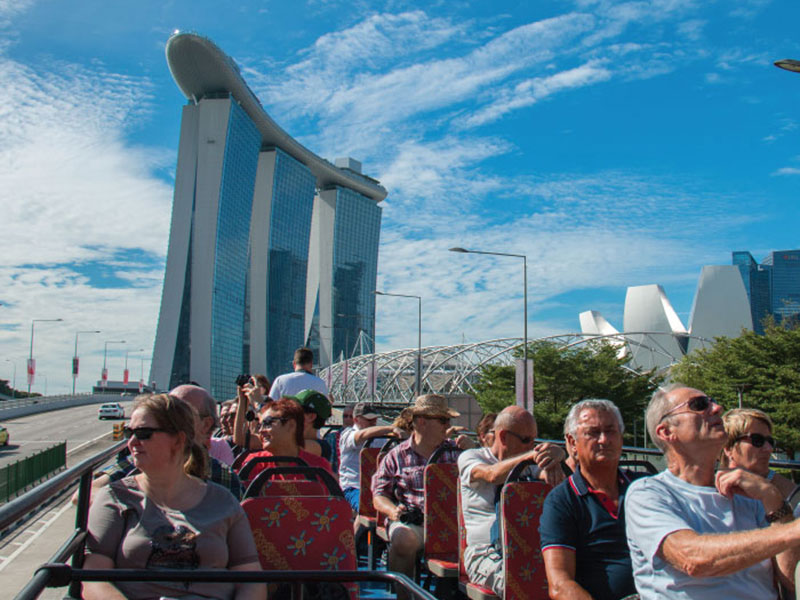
x=614 y=143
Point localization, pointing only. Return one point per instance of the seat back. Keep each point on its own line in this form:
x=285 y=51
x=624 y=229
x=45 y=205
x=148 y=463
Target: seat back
x=441 y=511
x=367 y=465
x=296 y=533
x=462 y=536
x=237 y=462
x=246 y=469
x=521 y=510
x=308 y=481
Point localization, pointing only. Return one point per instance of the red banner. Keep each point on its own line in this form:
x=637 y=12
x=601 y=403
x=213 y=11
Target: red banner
x=31 y=370
x=104 y=377
x=125 y=376
x=141 y=385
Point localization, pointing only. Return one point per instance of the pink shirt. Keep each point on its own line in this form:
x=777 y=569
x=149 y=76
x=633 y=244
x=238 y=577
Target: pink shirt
x=221 y=451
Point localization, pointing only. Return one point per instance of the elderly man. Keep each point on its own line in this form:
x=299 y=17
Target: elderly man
x=481 y=471
x=397 y=486
x=582 y=528
x=209 y=422
x=696 y=534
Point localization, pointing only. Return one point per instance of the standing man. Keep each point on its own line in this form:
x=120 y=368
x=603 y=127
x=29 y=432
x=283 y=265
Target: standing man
x=694 y=533
x=481 y=471
x=582 y=529
x=301 y=379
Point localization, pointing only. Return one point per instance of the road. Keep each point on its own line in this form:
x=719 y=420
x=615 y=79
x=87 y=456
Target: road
x=77 y=425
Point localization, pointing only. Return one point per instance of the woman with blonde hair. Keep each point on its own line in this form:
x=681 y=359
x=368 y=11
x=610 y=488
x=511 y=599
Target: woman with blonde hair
x=750 y=445
x=167 y=516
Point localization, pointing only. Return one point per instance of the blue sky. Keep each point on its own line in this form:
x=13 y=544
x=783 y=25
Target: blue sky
x=613 y=143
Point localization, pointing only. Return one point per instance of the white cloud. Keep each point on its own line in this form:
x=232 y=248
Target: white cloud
x=787 y=171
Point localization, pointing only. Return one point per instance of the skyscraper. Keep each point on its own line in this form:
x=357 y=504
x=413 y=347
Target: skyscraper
x=266 y=239
x=773 y=286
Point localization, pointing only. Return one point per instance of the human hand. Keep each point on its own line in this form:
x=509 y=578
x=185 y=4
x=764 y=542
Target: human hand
x=746 y=483
x=451 y=431
x=254 y=396
x=398 y=510
x=546 y=455
x=464 y=442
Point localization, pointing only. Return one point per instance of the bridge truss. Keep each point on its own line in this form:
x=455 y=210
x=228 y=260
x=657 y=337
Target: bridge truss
x=453 y=370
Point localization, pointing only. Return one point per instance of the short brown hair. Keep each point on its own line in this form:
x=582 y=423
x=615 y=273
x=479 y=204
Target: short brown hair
x=303 y=356
x=290 y=409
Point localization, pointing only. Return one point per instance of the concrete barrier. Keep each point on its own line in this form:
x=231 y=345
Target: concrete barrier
x=12 y=409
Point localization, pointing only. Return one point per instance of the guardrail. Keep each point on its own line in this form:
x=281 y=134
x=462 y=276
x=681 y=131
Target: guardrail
x=20 y=474
x=11 y=409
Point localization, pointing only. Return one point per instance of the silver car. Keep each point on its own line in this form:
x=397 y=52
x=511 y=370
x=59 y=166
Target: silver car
x=112 y=410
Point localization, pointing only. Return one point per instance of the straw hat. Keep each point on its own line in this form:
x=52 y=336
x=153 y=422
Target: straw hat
x=431 y=405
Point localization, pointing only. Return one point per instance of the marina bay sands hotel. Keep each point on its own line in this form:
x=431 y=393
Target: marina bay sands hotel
x=271 y=247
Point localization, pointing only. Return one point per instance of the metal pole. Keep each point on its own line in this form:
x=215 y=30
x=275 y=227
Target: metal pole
x=527 y=401
x=30 y=357
x=419 y=347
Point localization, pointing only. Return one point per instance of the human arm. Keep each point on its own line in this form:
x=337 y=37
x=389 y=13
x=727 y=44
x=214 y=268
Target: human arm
x=559 y=563
x=362 y=435
x=250 y=591
x=100 y=590
x=546 y=456
x=383 y=484
x=386 y=506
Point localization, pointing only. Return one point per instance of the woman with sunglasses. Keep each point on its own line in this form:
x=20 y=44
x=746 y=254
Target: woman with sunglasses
x=167 y=516
x=281 y=433
x=750 y=445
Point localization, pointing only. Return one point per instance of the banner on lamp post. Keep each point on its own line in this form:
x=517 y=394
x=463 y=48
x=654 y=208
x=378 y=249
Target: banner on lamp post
x=141 y=385
x=75 y=362
x=372 y=378
x=125 y=375
x=519 y=379
x=31 y=370
x=345 y=373
x=104 y=377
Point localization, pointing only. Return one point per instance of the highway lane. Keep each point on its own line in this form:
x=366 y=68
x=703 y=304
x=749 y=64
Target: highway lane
x=76 y=425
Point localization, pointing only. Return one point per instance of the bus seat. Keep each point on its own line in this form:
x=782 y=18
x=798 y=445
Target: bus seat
x=521 y=510
x=441 y=526
x=471 y=590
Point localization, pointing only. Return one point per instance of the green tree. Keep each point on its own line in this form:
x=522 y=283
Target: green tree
x=563 y=376
x=764 y=369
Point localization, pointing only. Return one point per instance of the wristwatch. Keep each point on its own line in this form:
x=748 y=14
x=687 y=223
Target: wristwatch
x=784 y=511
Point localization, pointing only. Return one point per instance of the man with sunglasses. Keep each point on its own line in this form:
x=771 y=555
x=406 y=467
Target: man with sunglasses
x=697 y=533
x=482 y=471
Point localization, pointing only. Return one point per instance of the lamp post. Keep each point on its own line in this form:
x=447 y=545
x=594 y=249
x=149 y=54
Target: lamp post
x=31 y=363
x=141 y=374
x=75 y=359
x=419 y=334
x=14 y=378
x=104 y=374
x=127 y=373
x=525 y=399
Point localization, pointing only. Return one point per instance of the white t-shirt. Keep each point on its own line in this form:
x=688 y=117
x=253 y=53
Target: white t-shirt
x=291 y=384
x=659 y=505
x=349 y=453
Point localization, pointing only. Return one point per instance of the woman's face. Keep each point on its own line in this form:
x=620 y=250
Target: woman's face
x=276 y=430
x=160 y=449
x=745 y=455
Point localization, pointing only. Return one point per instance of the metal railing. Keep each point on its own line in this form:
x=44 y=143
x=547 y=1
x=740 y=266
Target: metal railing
x=20 y=474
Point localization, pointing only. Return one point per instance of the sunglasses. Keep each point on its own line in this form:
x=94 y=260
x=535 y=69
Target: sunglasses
x=697 y=404
x=757 y=439
x=269 y=422
x=525 y=440
x=141 y=433
x=442 y=420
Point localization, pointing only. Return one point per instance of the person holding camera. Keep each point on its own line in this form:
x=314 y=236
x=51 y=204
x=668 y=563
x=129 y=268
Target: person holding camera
x=397 y=486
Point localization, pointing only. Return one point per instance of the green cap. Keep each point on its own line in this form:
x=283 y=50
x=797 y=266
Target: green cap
x=313 y=401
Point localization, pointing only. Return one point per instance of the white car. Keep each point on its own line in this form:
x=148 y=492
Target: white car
x=111 y=411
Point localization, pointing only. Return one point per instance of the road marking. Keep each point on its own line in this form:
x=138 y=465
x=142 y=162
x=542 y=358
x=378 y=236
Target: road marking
x=67 y=506
x=99 y=437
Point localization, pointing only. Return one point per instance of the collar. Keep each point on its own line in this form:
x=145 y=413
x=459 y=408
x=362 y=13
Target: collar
x=581 y=487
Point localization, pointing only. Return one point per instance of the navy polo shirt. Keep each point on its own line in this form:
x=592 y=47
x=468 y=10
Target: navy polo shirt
x=574 y=518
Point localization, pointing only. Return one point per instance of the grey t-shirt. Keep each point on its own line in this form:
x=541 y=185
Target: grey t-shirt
x=135 y=533
x=659 y=505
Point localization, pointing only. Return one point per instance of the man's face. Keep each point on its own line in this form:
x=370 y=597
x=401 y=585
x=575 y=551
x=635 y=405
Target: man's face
x=519 y=438
x=690 y=425
x=598 y=439
x=347 y=418
x=433 y=430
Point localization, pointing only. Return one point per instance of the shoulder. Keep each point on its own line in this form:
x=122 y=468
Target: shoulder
x=221 y=499
x=473 y=456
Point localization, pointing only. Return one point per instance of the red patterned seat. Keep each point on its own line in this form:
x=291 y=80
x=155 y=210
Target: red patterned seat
x=303 y=533
x=367 y=465
x=522 y=503
x=473 y=591
x=441 y=519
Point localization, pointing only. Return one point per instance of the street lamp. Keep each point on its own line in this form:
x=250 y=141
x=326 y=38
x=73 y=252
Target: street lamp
x=14 y=381
x=104 y=375
x=126 y=373
x=75 y=359
x=525 y=314
x=788 y=64
x=419 y=334
x=31 y=363
x=141 y=374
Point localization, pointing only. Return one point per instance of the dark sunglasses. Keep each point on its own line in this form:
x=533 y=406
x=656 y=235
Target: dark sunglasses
x=442 y=420
x=757 y=439
x=697 y=404
x=269 y=422
x=141 y=433
x=525 y=440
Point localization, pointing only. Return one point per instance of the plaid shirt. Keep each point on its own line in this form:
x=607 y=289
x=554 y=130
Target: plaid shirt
x=400 y=475
x=216 y=472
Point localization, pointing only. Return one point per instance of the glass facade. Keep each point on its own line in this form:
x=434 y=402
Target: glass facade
x=773 y=287
x=231 y=253
x=356 y=237
x=293 y=190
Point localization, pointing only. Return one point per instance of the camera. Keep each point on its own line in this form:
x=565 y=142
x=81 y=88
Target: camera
x=242 y=380
x=250 y=415
x=412 y=516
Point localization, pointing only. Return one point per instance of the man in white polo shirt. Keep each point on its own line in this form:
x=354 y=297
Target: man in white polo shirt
x=291 y=384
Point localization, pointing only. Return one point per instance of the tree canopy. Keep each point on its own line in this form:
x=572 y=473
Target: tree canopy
x=765 y=369
x=563 y=376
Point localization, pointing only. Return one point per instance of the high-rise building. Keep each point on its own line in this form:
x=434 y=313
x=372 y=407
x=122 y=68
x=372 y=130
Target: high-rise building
x=773 y=286
x=271 y=247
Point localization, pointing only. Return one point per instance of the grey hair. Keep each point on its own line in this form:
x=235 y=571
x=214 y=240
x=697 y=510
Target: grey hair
x=656 y=409
x=194 y=393
x=571 y=422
